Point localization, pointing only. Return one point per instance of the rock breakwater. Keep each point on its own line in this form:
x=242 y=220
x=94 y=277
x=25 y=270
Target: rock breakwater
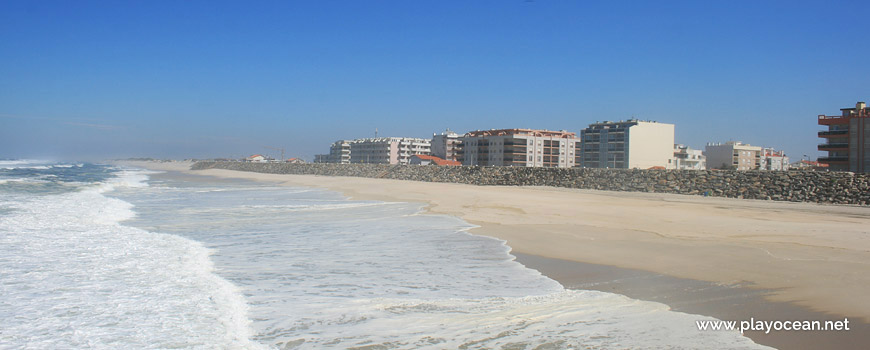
x=795 y=186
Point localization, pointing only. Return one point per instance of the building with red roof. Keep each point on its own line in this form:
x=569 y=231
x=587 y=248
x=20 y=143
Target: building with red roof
x=422 y=159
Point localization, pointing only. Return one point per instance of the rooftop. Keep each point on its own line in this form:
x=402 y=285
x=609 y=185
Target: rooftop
x=859 y=111
x=437 y=160
x=622 y=122
x=522 y=132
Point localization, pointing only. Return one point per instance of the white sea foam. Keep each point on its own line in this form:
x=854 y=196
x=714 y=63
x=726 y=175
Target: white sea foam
x=24 y=180
x=25 y=163
x=72 y=277
x=244 y=266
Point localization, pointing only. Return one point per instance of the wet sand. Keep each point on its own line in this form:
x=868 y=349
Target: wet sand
x=703 y=298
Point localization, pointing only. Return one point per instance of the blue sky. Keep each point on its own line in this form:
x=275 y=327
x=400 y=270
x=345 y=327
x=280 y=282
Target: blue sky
x=182 y=79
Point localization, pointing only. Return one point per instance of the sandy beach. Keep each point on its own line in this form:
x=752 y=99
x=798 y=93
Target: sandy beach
x=787 y=259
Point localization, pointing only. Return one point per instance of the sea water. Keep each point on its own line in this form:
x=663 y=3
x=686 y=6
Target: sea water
x=103 y=257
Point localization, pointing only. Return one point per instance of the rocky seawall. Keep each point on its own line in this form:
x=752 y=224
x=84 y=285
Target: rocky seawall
x=795 y=186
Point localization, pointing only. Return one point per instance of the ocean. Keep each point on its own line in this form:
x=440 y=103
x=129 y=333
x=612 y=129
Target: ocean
x=107 y=257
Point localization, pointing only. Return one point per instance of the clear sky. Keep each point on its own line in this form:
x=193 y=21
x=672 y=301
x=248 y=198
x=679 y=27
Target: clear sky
x=181 y=79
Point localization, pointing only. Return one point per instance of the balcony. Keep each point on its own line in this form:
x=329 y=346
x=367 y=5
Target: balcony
x=516 y=147
x=833 y=119
x=833 y=133
x=834 y=159
x=834 y=146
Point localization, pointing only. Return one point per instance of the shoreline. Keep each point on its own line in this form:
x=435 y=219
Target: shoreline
x=726 y=303
x=659 y=277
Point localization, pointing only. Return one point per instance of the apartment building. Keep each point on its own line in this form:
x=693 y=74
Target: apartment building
x=846 y=140
x=686 y=158
x=387 y=150
x=519 y=147
x=632 y=144
x=771 y=159
x=733 y=155
x=446 y=145
x=339 y=152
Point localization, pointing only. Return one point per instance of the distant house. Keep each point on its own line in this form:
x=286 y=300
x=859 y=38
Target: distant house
x=422 y=159
x=295 y=161
x=257 y=158
x=809 y=165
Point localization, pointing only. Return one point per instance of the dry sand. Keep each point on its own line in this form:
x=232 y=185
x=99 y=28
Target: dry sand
x=814 y=256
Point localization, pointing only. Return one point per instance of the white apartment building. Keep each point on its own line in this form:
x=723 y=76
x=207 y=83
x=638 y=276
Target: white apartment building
x=772 y=159
x=733 y=155
x=387 y=150
x=519 y=147
x=632 y=144
x=446 y=145
x=686 y=158
x=339 y=152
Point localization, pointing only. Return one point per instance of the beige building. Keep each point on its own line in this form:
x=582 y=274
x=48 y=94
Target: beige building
x=519 y=147
x=733 y=155
x=387 y=150
x=632 y=144
x=446 y=145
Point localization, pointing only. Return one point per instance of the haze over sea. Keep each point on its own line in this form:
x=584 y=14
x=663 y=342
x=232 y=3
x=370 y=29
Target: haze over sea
x=97 y=256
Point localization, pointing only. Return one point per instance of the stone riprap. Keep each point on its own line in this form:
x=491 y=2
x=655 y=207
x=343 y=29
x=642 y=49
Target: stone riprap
x=796 y=186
